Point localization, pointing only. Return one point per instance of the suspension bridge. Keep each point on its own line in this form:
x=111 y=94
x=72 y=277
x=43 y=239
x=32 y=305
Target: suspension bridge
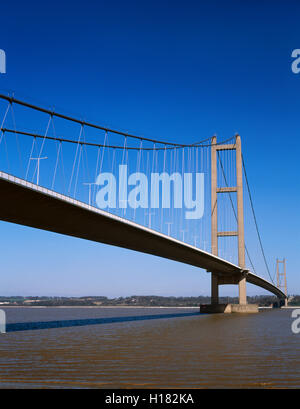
x=183 y=202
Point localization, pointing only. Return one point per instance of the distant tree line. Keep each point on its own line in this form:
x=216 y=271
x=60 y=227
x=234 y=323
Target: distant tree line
x=136 y=300
x=295 y=300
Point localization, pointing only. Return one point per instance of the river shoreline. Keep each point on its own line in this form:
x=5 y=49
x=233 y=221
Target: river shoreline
x=92 y=306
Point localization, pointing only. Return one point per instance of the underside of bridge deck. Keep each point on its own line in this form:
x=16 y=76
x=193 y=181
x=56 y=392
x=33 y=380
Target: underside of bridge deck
x=30 y=205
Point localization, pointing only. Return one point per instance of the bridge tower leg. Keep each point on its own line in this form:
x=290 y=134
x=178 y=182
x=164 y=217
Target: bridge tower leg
x=214 y=289
x=240 y=219
x=214 y=220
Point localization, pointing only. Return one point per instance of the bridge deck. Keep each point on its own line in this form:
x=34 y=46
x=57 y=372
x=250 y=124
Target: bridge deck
x=31 y=205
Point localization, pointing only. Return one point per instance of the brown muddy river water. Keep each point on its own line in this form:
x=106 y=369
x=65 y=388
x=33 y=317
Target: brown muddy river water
x=147 y=348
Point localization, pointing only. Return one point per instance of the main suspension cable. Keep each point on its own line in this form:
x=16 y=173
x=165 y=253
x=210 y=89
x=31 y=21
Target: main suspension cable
x=90 y=124
x=36 y=135
x=255 y=220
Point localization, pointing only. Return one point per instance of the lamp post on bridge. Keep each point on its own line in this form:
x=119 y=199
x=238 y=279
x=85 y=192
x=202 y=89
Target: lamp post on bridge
x=150 y=214
x=183 y=231
x=195 y=241
x=169 y=228
x=38 y=167
x=90 y=189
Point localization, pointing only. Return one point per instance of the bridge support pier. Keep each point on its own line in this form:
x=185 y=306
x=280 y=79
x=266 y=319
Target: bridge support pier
x=242 y=291
x=216 y=307
x=280 y=303
x=228 y=308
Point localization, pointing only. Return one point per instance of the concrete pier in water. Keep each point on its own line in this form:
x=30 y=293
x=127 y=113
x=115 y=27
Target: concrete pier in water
x=228 y=308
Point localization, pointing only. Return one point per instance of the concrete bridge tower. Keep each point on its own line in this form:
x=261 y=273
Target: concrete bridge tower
x=281 y=278
x=217 y=278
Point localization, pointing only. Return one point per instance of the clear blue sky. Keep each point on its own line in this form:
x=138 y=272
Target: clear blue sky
x=179 y=71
